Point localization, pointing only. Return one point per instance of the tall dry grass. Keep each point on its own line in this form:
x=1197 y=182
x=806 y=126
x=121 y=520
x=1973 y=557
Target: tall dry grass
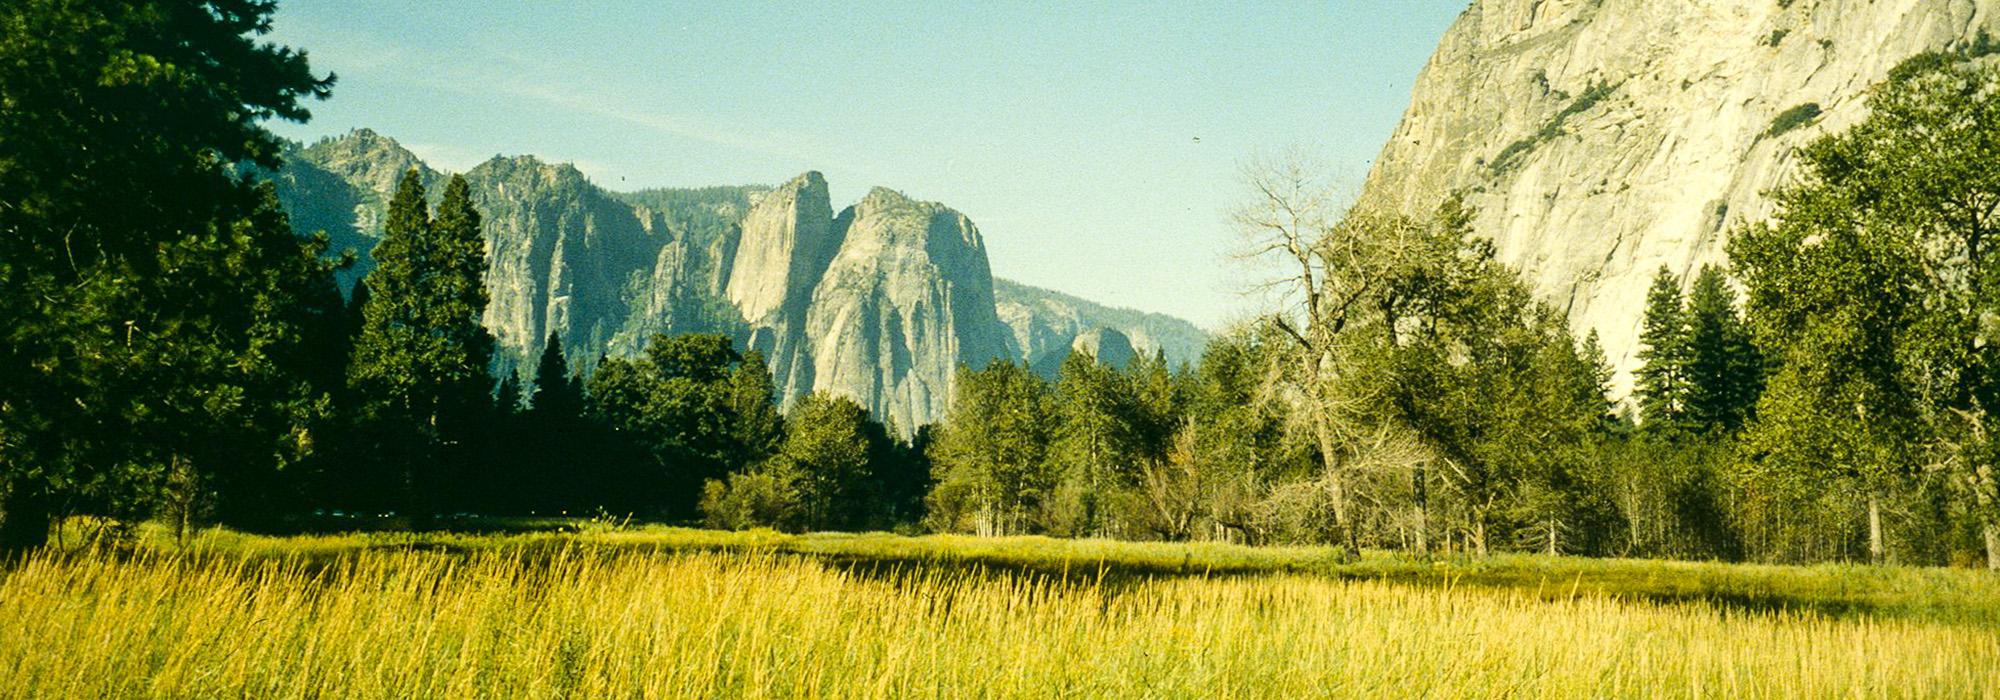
x=592 y=622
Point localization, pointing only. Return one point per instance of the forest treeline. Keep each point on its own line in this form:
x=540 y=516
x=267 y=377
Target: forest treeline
x=173 y=351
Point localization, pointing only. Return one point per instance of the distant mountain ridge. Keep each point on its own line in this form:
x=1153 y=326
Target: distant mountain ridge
x=1046 y=322
x=880 y=302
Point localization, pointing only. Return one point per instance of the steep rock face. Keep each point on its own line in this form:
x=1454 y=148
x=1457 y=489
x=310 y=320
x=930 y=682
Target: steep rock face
x=907 y=299
x=684 y=291
x=786 y=244
x=1601 y=139
x=1046 y=323
x=559 y=254
x=788 y=240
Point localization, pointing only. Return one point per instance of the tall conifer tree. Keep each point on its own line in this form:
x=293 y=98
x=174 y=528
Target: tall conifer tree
x=1662 y=387
x=420 y=364
x=1723 y=370
x=556 y=393
x=152 y=304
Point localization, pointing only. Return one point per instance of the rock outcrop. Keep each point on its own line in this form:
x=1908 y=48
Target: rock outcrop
x=1106 y=345
x=908 y=299
x=342 y=186
x=881 y=303
x=559 y=253
x=1601 y=139
x=788 y=240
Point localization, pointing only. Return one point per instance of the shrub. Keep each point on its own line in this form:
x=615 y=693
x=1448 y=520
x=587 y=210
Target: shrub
x=1794 y=118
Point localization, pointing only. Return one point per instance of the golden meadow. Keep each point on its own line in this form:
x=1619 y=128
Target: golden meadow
x=660 y=612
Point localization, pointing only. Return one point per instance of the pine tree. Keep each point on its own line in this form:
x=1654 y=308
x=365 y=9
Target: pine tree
x=1724 y=372
x=507 y=397
x=420 y=364
x=1662 y=385
x=152 y=303
x=557 y=394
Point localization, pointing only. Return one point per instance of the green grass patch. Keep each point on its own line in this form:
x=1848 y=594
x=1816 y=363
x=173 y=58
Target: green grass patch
x=1957 y=596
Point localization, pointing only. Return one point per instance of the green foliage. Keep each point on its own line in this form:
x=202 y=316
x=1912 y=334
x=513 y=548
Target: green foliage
x=1792 y=119
x=1511 y=404
x=420 y=364
x=1661 y=382
x=832 y=472
x=990 y=459
x=1723 y=369
x=154 y=333
x=1701 y=375
x=1091 y=442
x=1777 y=37
x=1871 y=291
x=695 y=408
x=557 y=391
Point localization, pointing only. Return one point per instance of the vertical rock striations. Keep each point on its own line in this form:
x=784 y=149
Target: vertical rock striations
x=788 y=240
x=1600 y=139
x=559 y=253
x=906 y=300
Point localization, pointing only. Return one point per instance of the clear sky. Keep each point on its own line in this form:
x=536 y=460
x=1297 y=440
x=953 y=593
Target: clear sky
x=1097 y=145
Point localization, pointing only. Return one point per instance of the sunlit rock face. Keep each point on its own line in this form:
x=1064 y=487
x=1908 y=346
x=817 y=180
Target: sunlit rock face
x=788 y=239
x=907 y=299
x=1601 y=139
x=559 y=254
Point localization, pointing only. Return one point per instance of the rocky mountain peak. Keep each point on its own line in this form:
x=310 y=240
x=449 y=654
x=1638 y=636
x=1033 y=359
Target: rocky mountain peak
x=880 y=198
x=1107 y=345
x=367 y=159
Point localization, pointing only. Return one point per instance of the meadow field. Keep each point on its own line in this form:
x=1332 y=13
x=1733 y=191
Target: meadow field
x=662 y=612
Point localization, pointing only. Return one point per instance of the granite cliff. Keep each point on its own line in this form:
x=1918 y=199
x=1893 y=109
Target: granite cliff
x=880 y=302
x=1601 y=139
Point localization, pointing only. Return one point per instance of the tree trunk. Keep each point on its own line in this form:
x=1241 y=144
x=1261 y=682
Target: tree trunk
x=1423 y=512
x=1992 y=547
x=1985 y=494
x=25 y=523
x=1336 y=485
x=1554 y=526
x=1479 y=536
x=1876 y=554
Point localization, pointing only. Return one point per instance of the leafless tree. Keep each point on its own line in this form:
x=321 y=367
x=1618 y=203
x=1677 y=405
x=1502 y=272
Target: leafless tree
x=1334 y=269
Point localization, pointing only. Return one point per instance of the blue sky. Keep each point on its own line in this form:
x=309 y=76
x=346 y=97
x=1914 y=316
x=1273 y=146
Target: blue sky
x=1097 y=145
